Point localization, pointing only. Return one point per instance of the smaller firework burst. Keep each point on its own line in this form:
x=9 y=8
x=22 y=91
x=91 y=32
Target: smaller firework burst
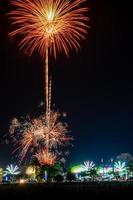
x=31 y=136
x=46 y=158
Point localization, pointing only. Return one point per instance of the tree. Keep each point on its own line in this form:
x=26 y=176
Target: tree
x=128 y=159
x=35 y=164
x=59 y=178
x=125 y=157
x=88 y=165
x=12 y=171
x=70 y=177
x=49 y=172
x=93 y=174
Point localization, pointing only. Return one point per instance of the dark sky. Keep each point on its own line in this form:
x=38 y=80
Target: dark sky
x=94 y=87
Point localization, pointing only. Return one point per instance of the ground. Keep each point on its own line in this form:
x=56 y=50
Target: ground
x=67 y=190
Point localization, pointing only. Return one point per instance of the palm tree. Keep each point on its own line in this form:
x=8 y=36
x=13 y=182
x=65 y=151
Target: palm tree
x=12 y=171
x=120 y=168
x=88 y=165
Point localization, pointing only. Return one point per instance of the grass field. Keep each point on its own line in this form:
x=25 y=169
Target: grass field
x=68 y=190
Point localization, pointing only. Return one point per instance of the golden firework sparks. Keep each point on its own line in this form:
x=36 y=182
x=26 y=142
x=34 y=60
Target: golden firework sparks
x=46 y=158
x=31 y=135
x=57 y=24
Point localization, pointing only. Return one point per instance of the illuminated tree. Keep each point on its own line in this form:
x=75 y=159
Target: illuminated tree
x=88 y=165
x=12 y=171
x=119 y=166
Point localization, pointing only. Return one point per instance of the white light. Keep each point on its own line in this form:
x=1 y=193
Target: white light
x=22 y=181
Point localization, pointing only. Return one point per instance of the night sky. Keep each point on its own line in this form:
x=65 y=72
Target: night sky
x=94 y=87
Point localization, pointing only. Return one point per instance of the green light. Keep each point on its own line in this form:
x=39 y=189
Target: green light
x=77 y=169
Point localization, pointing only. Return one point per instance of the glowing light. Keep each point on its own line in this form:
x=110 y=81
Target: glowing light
x=22 y=181
x=30 y=170
x=100 y=170
x=108 y=170
x=6 y=178
x=77 y=169
x=1 y=171
x=87 y=166
x=104 y=170
x=51 y=15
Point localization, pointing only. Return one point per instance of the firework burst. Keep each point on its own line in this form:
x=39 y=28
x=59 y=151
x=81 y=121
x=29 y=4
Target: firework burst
x=57 y=24
x=46 y=158
x=31 y=136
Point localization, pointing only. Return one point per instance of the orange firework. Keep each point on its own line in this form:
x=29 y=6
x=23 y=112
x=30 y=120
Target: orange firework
x=46 y=158
x=31 y=136
x=57 y=24
x=26 y=143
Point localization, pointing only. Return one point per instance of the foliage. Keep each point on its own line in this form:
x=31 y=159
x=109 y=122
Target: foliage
x=59 y=178
x=70 y=177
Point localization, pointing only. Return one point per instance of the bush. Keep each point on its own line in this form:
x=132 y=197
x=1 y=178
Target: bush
x=70 y=177
x=59 y=178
